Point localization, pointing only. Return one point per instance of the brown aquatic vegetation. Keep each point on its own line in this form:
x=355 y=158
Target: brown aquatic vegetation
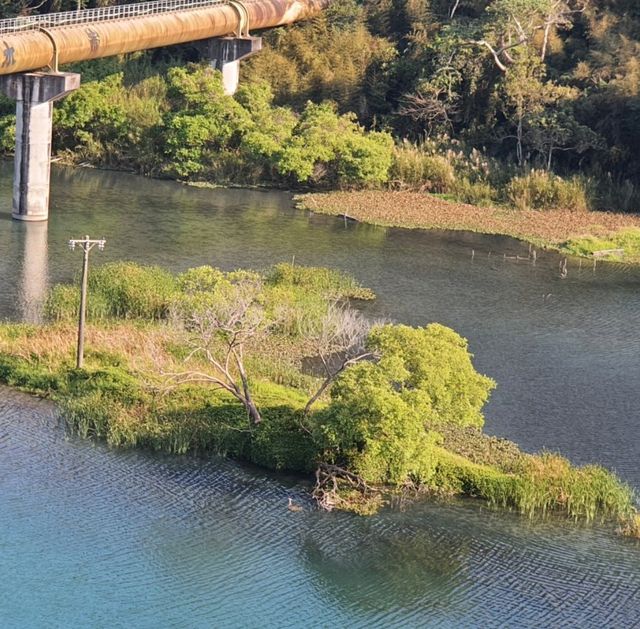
x=418 y=210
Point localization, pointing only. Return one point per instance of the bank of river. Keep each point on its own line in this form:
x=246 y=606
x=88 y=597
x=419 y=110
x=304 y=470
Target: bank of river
x=575 y=233
x=138 y=538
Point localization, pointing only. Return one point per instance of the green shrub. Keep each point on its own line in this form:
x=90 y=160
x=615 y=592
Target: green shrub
x=326 y=146
x=541 y=190
x=134 y=291
x=118 y=289
x=431 y=369
x=8 y=134
x=420 y=170
x=327 y=283
x=379 y=417
x=473 y=192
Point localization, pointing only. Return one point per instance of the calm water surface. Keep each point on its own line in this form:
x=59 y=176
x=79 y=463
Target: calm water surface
x=93 y=537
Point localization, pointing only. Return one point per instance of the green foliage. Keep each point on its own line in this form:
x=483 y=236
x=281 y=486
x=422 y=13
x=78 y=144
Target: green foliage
x=374 y=431
x=421 y=170
x=473 y=192
x=430 y=369
x=331 y=57
x=119 y=289
x=549 y=482
x=201 y=122
x=380 y=414
x=8 y=134
x=133 y=291
x=541 y=484
x=325 y=145
x=539 y=190
x=328 y=283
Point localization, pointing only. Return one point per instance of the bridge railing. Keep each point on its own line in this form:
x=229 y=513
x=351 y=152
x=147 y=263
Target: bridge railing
x=86 y=16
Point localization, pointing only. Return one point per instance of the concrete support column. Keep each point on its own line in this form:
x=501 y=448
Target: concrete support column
x=34 y=94
x=225 y=54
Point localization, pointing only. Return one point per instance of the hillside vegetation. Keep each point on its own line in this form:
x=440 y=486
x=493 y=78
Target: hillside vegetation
x=531 y=104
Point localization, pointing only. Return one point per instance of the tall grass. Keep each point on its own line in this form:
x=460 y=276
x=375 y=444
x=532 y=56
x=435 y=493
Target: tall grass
x=119 y=289
x=415 y=169
x=539 y=485
x=541 y=190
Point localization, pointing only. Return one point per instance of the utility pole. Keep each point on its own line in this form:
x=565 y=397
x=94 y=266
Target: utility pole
x=87 y=245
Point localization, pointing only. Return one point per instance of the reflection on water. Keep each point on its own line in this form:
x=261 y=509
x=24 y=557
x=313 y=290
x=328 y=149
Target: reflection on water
x=138 y=539
x=35 y=278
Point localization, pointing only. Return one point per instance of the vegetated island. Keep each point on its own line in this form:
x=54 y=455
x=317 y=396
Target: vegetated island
x=606 y=235
x=278 y=368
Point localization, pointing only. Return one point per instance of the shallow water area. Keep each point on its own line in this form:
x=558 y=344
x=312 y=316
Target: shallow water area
x=139 y=539
x=129 y=538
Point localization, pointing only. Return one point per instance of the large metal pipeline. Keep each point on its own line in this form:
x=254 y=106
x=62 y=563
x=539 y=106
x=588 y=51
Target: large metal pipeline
x=36 y=49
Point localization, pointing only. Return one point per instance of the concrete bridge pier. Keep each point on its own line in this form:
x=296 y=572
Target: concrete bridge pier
x=34 y=93
x=225 y=54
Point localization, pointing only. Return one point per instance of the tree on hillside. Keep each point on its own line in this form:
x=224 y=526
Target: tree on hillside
x=512 y=24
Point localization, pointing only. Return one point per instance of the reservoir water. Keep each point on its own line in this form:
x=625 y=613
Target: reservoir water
x=95 y=537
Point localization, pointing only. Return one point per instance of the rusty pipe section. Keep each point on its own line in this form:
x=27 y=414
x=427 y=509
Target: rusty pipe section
x=33 y=50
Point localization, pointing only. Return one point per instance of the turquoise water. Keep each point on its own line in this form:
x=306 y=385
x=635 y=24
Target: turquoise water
x=95 y=537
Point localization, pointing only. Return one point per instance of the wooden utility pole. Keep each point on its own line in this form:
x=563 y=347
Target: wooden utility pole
x=86 y=244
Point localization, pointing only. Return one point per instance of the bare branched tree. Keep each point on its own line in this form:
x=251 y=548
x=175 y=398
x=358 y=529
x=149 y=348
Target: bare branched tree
x=338 y=340
x=432 y=106
x=515 y=23
x=219 y=332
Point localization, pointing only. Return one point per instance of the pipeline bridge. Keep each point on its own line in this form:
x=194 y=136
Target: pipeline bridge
x=33 y=47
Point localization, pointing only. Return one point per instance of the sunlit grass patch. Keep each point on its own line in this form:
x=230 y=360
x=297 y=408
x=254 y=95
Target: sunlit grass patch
x=624 y=244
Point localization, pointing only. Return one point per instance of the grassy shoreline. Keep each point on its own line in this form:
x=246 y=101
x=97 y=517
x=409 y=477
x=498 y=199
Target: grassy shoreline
x=571 y=233
x=119 y=398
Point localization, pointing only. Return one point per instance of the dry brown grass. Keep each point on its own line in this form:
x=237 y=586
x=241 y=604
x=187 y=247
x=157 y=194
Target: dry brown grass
x=143 y=347
x=416 y=210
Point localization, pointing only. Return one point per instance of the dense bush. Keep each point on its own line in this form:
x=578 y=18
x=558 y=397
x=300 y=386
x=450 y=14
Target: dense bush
x=417 y=169
x=329 y=283
x=381 y=412
x=539 y=190
x=119 y=289
x=183 y=126
x=125 y=290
